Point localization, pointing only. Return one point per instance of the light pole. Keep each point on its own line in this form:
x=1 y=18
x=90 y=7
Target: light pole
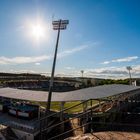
x=57 y=25
x=129 y=71
x=82 y=71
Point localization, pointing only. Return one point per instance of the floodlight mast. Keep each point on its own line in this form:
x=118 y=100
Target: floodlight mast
x=57 y=25
x=82 y=71
x=130 y=77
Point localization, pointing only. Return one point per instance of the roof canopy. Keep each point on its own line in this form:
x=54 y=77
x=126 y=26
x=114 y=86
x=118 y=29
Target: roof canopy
x=77 y=95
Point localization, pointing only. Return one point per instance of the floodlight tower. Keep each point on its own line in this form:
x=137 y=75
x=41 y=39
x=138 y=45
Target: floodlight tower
x=82 y=71
x=57 y=25
x=129 y=71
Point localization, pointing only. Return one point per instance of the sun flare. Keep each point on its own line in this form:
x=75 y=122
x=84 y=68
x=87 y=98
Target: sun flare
x=38 y=31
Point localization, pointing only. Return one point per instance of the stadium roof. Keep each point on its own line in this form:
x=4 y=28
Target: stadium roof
x=77 y=95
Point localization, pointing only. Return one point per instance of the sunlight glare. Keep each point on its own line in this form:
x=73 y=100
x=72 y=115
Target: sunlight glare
x=38 y=31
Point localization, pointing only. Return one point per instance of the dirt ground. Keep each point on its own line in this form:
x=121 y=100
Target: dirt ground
x=107 y=136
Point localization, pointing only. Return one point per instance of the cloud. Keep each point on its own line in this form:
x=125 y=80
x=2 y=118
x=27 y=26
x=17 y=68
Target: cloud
x=21 y=71
x=37 y=64
x=112 y=72
x=106 y=62
x=23 y=60
x=105 y=72
x=70 y=68
x=36 y=59
x=126 y=59
x=78 y=49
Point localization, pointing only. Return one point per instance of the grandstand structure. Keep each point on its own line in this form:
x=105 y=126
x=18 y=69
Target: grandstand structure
x=26 y=121
x=76 y=95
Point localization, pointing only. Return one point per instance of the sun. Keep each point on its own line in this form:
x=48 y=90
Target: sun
x=38 y=31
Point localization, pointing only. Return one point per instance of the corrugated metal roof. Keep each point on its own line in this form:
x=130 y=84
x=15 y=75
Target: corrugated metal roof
x=77 y=95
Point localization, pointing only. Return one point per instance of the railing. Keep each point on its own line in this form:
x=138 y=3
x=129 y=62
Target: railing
x=44 y=130
x=91 y=114
x=115 y=126
x=112 y=126
x=57 y=113
x=62 y=134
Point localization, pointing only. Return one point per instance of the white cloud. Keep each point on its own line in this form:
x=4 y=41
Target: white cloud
x=70 y=68
x=73 y=50
x=106 y=62
x=23 y=60
x=105 y=72
x=37 y=64
x=21 y=71
x=78 y=49
x=37 y=59
x=126 y=59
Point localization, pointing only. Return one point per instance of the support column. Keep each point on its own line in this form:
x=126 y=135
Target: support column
x=85 y=117
x=84 y=106
x=100 y=107
x=118 y=105
x=61 y=109
x=38 y=112
x=62 y=115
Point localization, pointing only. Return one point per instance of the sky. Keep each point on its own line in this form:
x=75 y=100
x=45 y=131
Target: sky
x=102 y=37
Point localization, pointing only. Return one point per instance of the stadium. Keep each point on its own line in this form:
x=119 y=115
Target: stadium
x=108 y=107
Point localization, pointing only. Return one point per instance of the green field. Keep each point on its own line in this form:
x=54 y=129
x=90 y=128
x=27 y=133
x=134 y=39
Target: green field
x=55 y=106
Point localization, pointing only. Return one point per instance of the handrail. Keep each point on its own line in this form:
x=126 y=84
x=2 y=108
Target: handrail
x=108 y=123
x=67 y=120
x=46 y=117
x=87 y=111
x=78 y=115
x=69 y=131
